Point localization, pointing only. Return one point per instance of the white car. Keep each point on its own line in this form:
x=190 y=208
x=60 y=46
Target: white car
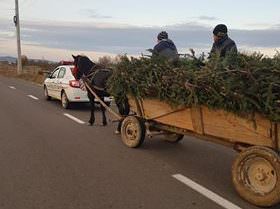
x=62 y=85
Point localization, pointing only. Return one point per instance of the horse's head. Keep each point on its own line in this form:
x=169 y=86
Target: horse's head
x=83 y=65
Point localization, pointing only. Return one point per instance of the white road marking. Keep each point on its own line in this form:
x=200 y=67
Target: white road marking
x=33 y=97
x=12 y=87
x=205 y=192
x=74 y=118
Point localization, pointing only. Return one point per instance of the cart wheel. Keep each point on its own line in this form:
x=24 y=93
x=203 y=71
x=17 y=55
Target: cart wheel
x=173 y=138
x=256 y=176
x=133 y=131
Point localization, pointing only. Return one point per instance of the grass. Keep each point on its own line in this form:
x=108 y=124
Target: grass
x=32 y=73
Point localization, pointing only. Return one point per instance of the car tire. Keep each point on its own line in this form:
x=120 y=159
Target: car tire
x=64 y=101
x=46 y=94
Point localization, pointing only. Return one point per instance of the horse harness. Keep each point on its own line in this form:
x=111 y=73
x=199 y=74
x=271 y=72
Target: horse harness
x=94 y=70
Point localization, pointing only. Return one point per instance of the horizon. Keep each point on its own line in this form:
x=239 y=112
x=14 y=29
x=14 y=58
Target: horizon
x=97 y=28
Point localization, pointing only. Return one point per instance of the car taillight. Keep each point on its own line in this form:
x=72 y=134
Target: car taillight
x=66 y=62
x=74 y=84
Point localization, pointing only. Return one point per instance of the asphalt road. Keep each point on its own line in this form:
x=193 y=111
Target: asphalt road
x=49 y=161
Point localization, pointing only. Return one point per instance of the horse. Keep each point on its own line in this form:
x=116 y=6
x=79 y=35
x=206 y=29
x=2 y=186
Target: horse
x=98 y=75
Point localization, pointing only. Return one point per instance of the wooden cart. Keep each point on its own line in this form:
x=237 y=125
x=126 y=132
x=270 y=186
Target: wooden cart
x=255 y=171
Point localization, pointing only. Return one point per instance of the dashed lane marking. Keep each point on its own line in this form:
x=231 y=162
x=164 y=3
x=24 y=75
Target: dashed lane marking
x=33 y=97
x=12 y=87
x=206 y=192
x=74 y=118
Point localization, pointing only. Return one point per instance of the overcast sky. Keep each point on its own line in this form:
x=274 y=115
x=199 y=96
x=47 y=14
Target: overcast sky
x=54 y=29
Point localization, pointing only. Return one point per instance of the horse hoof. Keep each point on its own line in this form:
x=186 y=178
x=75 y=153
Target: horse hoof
x=90 y=124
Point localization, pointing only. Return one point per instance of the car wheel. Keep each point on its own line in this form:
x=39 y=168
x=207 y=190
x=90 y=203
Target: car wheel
x=64 y=101
x=46 y=93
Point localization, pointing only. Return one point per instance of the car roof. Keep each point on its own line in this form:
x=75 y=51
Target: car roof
x=67 y=66
x=68 y=70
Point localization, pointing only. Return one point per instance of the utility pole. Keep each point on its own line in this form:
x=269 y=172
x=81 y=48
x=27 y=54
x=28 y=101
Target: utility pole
x=17 y=24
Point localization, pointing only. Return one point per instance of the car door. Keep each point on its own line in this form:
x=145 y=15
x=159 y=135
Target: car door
x=60 y=81
x=51 y=84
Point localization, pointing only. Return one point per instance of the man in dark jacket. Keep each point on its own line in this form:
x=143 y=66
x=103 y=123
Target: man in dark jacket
x=222 y=43
x=165 y=47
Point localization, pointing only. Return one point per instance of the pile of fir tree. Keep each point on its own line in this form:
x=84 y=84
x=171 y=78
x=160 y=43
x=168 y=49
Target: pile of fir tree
x=242 y=84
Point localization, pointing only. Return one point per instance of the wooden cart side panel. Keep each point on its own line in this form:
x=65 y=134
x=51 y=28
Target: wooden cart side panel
x=134 y=106
x=185 y=118
x=180 y=119
x=278 y=135
x=226 y=125
x=275 y=135
x=164 y=113
x=197 y=120
x=215 y=123
x=155 y=108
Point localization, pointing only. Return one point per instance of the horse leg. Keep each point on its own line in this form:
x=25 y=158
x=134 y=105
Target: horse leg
x=103 y=110
x=124 y=109
x=92 y=109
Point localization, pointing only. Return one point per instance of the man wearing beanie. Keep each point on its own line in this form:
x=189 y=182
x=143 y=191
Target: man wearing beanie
x=165 y=47
x=222 y=43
